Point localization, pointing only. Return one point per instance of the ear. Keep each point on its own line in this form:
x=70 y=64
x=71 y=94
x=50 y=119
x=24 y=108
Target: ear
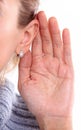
x=28 y=34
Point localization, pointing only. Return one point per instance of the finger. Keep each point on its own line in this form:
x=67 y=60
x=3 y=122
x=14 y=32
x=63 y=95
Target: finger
x=56 y=38
x=45 y=34
x=37 y=46
x=67 y=47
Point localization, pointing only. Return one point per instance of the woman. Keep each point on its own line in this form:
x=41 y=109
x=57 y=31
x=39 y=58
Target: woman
x=45 y=73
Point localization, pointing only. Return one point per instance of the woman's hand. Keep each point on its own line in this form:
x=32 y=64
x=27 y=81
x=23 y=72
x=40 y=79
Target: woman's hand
x=46 y=73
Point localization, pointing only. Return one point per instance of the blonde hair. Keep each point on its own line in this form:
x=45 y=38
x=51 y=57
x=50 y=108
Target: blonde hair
x=27 y=11
x=10 y=65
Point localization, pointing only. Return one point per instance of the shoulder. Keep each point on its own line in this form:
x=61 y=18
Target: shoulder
x=22 y=116
x=6 y=99
x=7 y=86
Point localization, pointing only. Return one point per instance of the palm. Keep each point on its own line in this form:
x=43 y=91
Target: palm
x=48 y=79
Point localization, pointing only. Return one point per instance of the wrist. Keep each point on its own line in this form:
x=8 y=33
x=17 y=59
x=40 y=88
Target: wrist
x=55 y=123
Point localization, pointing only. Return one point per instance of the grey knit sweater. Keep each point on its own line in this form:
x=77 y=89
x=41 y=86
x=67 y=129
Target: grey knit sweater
x=14 y=114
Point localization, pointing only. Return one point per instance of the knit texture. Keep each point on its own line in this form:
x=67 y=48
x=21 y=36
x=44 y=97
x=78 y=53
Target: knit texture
x=14 y=114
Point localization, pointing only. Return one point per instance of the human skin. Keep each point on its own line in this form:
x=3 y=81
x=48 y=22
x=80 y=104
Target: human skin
x=12 y=38
x=46 y=76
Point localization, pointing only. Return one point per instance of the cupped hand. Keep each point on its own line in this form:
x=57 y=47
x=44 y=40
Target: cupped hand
x=46 y=73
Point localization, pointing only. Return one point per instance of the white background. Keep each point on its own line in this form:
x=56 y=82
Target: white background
x=68 y=14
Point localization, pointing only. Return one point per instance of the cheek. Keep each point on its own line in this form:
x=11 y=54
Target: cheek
x=8 y=44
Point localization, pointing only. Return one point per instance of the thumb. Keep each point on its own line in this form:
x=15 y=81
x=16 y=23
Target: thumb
x=25 y=62
x=24 y=69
